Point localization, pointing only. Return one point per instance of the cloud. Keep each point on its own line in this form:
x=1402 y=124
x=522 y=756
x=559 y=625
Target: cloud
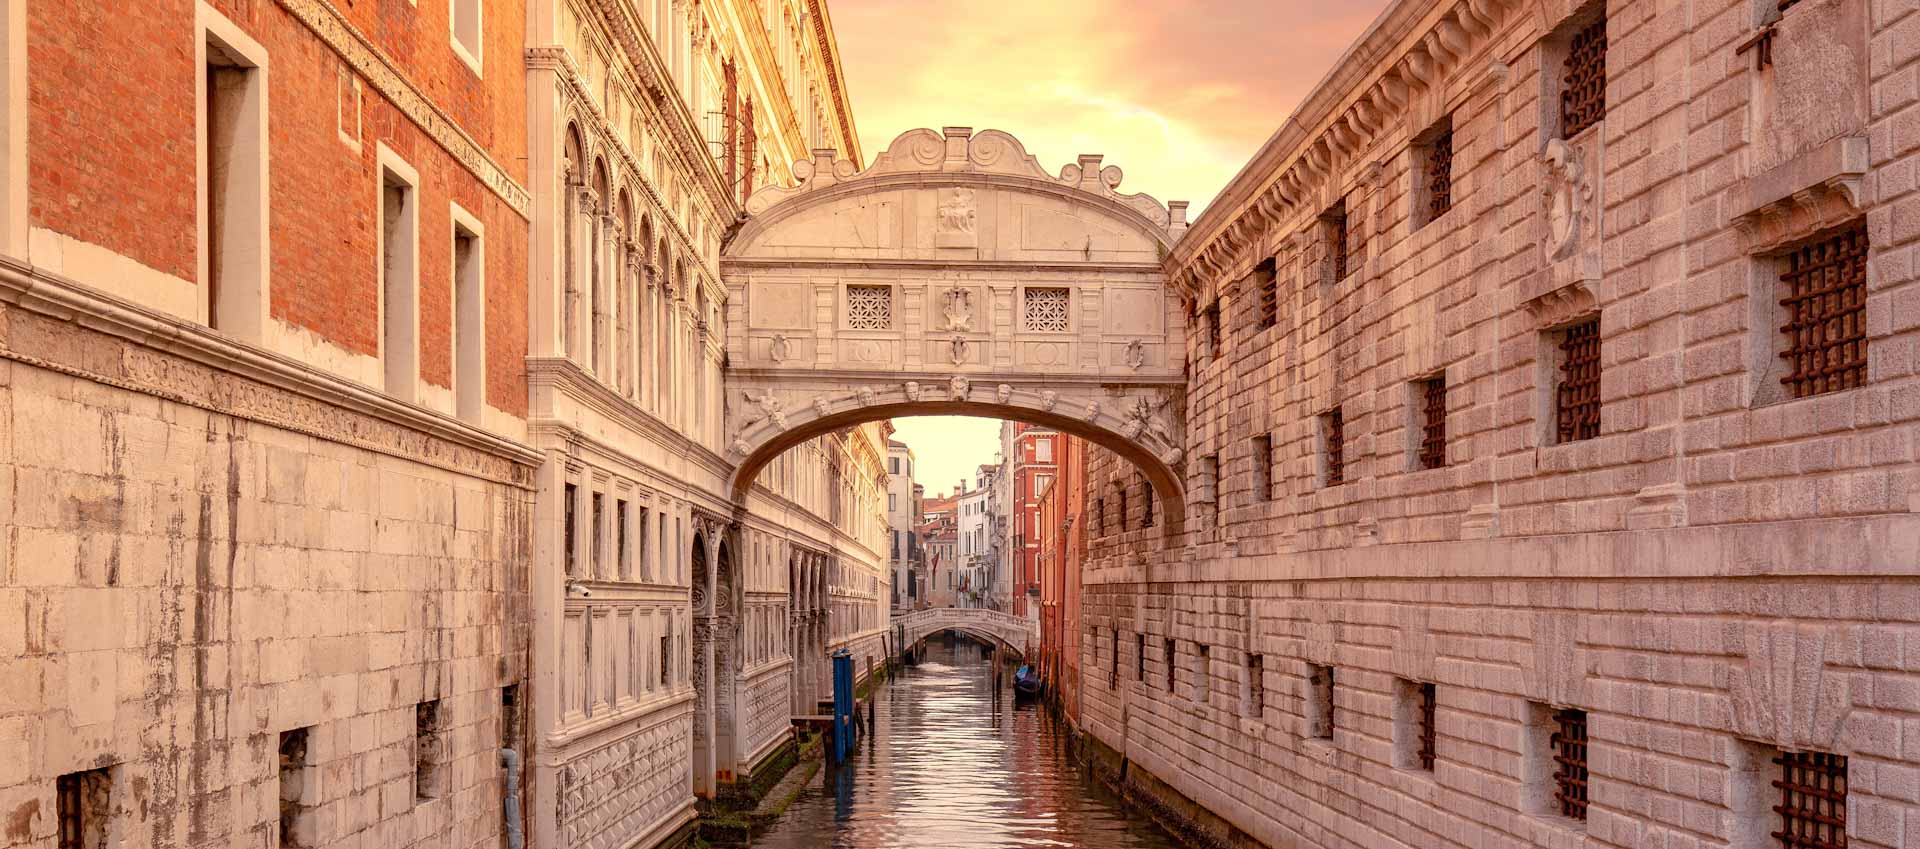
x=1179 y=94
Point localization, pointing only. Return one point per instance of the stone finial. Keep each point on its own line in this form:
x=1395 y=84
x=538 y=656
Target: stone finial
x=957 y=145
x=1177 y=212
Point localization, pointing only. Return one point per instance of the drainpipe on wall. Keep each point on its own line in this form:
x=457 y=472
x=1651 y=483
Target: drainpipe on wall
x=510 y=806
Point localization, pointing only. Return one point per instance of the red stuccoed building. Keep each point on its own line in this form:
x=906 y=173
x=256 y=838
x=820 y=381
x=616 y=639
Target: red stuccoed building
x=1033 y=468
x=1061 y=548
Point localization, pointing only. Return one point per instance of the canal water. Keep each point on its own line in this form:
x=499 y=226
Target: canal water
x=956 y=766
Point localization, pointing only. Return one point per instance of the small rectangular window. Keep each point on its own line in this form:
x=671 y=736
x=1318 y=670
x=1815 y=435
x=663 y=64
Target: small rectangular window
x=1333 y=444
x=296 y=791
x=1569 y=745
x=1431 y=395
x=1168 y=649
x=234 y=195
x=464 y=21
x=666 y=660
x=620 y=540
x=1436 y=156
x=1146 y=499
x=1202 y=673
x=1813 y=800
x=1266 y=287
x=1337 y=245
x=1139 y=657
x=1319 y=701
x=1256 y=687
x=426 y=750
x=870 y=307
x=1113 y=660
x=569 y=528
x=83 y=803
x=1413 y=724
x=1583 y=79
x=1823 y=288
x=1215 y=342
x=469 y=324
x=1263 y=467
x=1576 y=395
x=599 y=533
x=1120 y=492
x=399 y=284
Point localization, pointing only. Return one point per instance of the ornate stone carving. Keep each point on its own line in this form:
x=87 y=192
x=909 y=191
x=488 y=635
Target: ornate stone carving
x=1136 y=354
x=957 y=350
x=782 y=348
x=1561 y=305
x=1783 y=694
x=1569 y=196
x=1138 y=416
x=955 y=226
x=959 y=387
x=1002 y=393
x=866 y=396
x=1093 y=411
x=821 y=406
x=1815 y=191
x=913 y=390
x=771 y=408
x=1047 y=399
x=958 y=309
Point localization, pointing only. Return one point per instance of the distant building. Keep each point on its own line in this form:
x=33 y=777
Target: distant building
x=940 y=533
x=1061 y=541
x=1032 y=466
x=904 y=553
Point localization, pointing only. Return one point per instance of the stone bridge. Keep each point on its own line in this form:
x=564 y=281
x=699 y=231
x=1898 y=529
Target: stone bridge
x=1011 y=632
x=955 y=276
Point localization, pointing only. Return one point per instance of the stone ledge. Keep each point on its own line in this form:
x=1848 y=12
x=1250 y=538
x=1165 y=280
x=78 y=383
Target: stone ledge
x=1796 y=199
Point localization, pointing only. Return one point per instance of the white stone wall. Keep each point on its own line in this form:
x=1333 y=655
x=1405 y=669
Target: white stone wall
x=198 y=563
x=1719 y=571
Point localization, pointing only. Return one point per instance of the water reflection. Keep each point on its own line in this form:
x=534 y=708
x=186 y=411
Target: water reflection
x=957 y=766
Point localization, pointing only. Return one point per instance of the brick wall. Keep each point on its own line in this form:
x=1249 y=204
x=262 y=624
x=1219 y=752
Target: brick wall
x=112 y=159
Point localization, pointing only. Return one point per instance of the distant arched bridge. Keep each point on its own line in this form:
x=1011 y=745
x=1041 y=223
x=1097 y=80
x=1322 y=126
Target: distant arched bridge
x=1010 y=632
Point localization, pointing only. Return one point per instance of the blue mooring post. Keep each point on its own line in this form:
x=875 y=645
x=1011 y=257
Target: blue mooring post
x=842 y=704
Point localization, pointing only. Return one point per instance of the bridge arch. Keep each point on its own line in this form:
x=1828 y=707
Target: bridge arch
x=1010 y=632
x=955 y=276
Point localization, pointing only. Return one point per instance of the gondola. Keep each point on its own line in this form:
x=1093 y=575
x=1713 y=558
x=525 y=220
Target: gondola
x=1026 y=684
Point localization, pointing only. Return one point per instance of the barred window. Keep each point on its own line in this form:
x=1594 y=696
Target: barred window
x=870 y=307
x=1333 y=432
x=1263 y=467
x=1570 y=762
x=1813 y=800
x=1432 y=396
x=1214 y=339
x=1425 y=696
x=1320 y=701
x=1169 y=649
x=1146 y=496
x=1120 y=492
x=1113 y=660
x=1824 y=291
x=1046 y=308
x=1139 y=657
x=1583 y=91
x=426 y=750
x=1266 y=287
x=569 y=527
x=1577 y=395
x=1256 y=687
x=1337 y=238
x=83 y=803
x=1439 y=169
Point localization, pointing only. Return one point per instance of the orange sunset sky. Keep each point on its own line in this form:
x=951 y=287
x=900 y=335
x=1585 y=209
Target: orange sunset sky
x=1178 y=94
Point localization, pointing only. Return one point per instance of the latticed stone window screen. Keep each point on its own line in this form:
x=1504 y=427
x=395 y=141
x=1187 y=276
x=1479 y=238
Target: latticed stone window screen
x=1583 y=92
x=870 y=307
x=1046 y=308
x=1813 y=800
x=1825 y=295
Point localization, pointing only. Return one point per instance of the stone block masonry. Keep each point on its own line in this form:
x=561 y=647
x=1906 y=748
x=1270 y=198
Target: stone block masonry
x=1633 y=495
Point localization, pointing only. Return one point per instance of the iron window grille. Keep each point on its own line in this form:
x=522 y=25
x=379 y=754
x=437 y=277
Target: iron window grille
x=1576 y=400
x=1337 y=237
x=1263 y=467
x=1170 y=663
x=1570 y=762
x=1440 y=174
x=1583 y=93
x=68 y=801
x=1266 y=282
x=1433 y=422
x=1813 y=800
x=1213 y=330
x=1120 y=490
x=1139 y=657
x=569 y=531
x=1336 y=430
x=1425 y=752
x=1825 y=296
x=1256 y=687
x=1146 y=497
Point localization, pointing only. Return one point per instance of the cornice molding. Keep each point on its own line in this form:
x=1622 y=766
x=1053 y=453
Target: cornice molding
x=182 y=363
x=830 y=59
x=371 y=63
